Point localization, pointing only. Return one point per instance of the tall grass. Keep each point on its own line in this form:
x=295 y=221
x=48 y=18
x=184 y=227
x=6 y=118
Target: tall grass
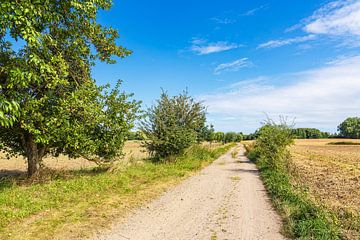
x=303 y=219
x=89 y=197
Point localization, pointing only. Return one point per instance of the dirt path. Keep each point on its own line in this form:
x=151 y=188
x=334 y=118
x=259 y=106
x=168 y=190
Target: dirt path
x=226 y=200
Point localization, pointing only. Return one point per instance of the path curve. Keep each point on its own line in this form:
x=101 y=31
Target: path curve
x=226 y=200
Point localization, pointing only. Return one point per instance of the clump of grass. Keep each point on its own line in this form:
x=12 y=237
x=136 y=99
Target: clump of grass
x=344 y=143
x=302 y=217
x=88 y=198
x=234 y=153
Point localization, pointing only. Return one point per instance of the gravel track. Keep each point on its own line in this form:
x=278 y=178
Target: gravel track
x=226 y=200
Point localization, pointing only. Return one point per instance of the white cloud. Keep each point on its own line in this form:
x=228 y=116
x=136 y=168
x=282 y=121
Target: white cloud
x=336 y=18
x=252 y=12
x=319 y=98
x=340 y=19
x=224 y=21
x=233 y=66
x=201 y=47
x=284 y=42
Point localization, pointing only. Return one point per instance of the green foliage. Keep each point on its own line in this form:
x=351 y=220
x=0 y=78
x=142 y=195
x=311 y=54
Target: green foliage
x=86 y=191
x=309 y=133
x=173 y=124
x=206 y=133
x=48 y=101
x=228 y=137
x=233 y=137
x=303 y=219
x=219 y=136
x=138 y=135
x=271 y=146
x=350 y=128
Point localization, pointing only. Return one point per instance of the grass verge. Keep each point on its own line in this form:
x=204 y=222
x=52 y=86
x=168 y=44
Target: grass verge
x=74 y=208
x=303 y=218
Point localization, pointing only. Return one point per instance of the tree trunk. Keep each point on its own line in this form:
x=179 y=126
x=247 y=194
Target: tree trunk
x=32 y=154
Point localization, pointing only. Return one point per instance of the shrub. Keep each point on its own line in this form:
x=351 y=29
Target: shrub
x=271 y=147
x=206 y=133
x=302 y=217
x=172 y=125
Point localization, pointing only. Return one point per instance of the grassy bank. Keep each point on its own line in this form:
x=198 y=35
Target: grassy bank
x=302 y=217
x=74 y=206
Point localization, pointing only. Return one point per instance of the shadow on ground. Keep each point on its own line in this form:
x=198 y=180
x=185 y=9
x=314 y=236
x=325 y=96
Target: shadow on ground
x=10 y=178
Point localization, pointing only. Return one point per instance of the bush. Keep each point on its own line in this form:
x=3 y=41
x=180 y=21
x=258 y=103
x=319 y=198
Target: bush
x=173 y=125
x=302 y=217
x=271 y=147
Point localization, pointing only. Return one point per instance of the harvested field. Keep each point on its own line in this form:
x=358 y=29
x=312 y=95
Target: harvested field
x=332 y=174
x=13 y=166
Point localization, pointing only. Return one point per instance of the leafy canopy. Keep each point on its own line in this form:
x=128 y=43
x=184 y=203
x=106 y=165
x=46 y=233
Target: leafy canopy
x=48 y=100
x=173 y=124
x=350 y=128
x=271 y=145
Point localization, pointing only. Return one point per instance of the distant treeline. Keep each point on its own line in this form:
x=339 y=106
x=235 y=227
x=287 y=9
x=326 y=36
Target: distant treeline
x=349 y=128
x=299 y=133
x=207 y=133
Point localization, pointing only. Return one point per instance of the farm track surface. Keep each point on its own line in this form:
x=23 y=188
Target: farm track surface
x=226 y=200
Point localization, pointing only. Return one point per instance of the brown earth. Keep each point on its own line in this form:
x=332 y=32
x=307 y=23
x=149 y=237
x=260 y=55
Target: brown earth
x=332 y=175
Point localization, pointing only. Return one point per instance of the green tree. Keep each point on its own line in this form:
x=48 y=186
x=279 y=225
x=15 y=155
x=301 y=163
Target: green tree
x=350 y=128
x=230 y=137
x=49 y=104
x=219 y=136
x=239 y=137
x=172 y=124
x=206 y=133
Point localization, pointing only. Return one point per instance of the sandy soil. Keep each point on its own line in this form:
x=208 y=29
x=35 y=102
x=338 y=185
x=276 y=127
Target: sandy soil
x=226 y=200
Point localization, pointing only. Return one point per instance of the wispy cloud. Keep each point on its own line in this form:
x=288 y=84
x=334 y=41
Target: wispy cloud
x=253 y=11
x=233 y=66
x=340 y=19
x=336 y=18
x=202 y=47
x=224 y=21
x=284 y=42
x=319 y=98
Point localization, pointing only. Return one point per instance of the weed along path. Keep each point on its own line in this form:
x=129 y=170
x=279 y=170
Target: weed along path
x=226 y=200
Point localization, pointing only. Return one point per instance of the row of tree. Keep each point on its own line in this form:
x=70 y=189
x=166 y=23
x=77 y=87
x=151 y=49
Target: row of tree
x=207 y=133
x=309 y=133
x=349 y=128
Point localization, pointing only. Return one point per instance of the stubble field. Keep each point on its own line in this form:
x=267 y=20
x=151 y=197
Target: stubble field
x=331 y=173
x=15 y=166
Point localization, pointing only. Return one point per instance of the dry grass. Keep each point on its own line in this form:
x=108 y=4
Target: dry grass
x=332 y=174
x=132 y=150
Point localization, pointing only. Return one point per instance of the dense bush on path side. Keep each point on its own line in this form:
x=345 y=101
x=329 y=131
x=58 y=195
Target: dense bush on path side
x=172 y=125
x=303 y=219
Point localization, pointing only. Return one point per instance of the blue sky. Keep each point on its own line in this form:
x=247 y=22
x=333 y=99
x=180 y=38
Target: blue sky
x=244 y=59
